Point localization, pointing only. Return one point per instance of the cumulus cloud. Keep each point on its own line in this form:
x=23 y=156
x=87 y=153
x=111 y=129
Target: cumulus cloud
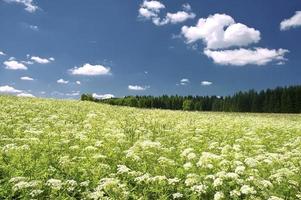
x=293 y=22
x=78 y=82
x=241 y=57
x=8 y=89
x=2 y=53
x=174 y=18
x=102 y=96
x=138 y=87
x=29 y=4
x=28 y=62
x=40 y=60
x=25 y=95
x=150 y=10
x=26 y=78
x=62 y=81
x=12 y=64
x=206 y=83
x=220 y=31
x=34 y=27
x=184 y=81
x=91 y=70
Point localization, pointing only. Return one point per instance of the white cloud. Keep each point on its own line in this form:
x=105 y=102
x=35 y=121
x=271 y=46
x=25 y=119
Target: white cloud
x=26 y=78
x=25 y=95
x=174 y=18
x=91 y=70
x=150 y=10
x=29 y=5
x=2 y=53
x=220 y=31
x=145 y=13
x=27 y=62
x=179 y=17
x=14 y=65
x=153 y=5
x=292 y=22
x=138 y=87
x=184 y=81
x=186 y=7
x=206 y=83
x=8 y=90
x=52 y=59
x=102 y=96
x=40 y=60
x=78 y=82
x=33 y=27
x=62 y=81
x=241 y=57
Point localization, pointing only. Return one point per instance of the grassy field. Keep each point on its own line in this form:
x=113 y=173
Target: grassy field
x=51 y=149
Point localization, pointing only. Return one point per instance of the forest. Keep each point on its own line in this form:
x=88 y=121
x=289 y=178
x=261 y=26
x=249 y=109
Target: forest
x=278 y=100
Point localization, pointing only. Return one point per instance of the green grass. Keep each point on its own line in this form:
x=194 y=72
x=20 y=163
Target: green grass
x=59 y=149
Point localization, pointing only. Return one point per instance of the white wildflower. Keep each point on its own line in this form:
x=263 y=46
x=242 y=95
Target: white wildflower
x=187 y=165
x=219 y=196
x=70 y=185
x=275 y=198
x=55 y=184
x=217 y=182
x=173 y=181
x=251 y=162
x=122 y=169
x=177 y=195
x=246 y=189
x=240 y=169
x=199 y=189
x=35 y=193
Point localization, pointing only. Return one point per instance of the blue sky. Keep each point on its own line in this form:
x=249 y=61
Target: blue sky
x=63 y=48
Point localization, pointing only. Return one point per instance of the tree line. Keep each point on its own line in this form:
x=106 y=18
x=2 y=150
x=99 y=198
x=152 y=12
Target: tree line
x=278 y=100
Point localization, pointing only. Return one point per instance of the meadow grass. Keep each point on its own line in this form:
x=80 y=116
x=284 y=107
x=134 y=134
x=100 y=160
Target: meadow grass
x=67 y=149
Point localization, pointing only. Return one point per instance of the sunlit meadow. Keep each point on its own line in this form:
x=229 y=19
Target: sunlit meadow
x=55 y=149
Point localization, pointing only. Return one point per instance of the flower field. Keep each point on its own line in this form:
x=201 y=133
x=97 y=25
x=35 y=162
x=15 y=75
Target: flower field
x=55 y=149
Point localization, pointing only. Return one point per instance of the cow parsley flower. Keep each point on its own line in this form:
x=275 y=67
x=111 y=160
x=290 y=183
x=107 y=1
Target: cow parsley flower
x=217 y=182
x=122 y=169
x=219 y=196
x=177 y=195
x=246 y=189
x=55 y=184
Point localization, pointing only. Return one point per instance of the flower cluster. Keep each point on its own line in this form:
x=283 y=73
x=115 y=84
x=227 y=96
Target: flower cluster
x=53 y=149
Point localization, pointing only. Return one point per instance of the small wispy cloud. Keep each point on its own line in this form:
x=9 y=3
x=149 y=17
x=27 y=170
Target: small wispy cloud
x=62 y=81
x=206 y=83
x=29 y=4
x=40 y=60
x=102 y=96
x=34 y=27
x=26 y=78
x=25 y=95
x=138 y=87
x=184 y=81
